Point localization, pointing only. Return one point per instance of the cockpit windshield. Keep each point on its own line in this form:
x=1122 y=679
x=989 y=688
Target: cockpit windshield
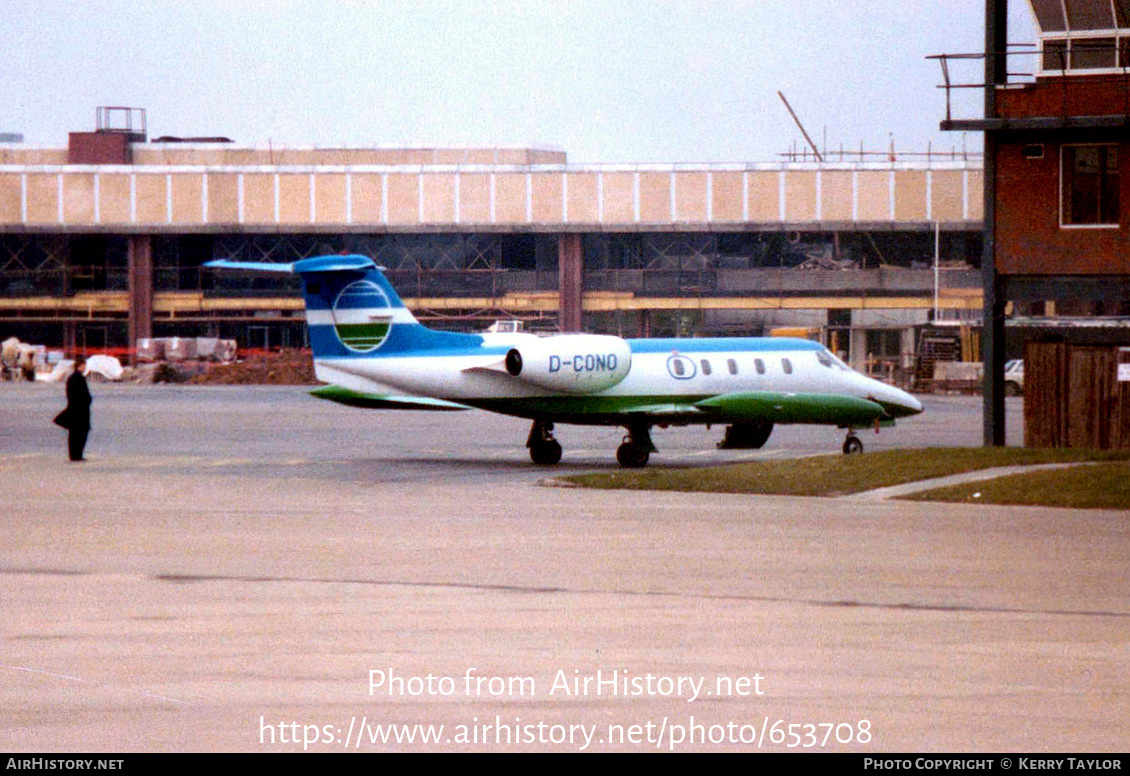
x=825 y=357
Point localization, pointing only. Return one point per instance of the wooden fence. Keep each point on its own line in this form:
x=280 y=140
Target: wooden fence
x=1076 y=396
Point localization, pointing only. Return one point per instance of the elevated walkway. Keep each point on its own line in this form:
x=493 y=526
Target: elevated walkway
x=197 y=195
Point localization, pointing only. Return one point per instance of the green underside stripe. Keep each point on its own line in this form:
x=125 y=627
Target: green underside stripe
x=738 y=408
x=578 y=405
x=750 y=407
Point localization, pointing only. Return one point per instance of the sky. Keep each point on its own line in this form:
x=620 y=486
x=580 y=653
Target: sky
x=608 y=81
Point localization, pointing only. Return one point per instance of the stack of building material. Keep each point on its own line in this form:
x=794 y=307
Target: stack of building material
x=215 y=349
x=149 y=349
x=186 y=349
x=180 y=348
x=19 y=359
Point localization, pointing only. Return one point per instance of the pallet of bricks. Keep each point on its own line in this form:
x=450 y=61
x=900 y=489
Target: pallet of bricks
x=186 y=349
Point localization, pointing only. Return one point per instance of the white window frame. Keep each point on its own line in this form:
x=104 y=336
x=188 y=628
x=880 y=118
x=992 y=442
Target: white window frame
x=1062 y=176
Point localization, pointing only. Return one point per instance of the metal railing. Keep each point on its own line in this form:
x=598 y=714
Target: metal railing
x=843 y=155
x=115 y=118
x=1064 y=66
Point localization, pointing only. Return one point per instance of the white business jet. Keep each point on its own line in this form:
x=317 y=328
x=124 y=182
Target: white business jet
x=373 y=353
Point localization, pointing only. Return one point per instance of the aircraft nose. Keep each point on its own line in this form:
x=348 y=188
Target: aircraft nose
x=899 y=403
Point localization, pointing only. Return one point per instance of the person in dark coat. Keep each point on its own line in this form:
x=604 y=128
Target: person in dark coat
x=78 y=410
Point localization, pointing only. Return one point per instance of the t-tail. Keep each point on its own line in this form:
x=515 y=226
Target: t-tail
x=352 y=311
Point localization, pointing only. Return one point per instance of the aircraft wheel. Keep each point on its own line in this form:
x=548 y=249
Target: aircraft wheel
x=546 y=453
x=852 y=445
x=632 y=456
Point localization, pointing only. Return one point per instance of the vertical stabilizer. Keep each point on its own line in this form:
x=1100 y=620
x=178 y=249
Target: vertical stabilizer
x=354 y=312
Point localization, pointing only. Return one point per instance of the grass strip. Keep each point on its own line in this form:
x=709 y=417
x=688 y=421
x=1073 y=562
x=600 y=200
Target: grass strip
x=837 y=475
x=1097 y=486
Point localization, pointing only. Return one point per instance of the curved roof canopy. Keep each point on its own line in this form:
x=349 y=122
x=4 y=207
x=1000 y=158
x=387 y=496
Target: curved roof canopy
x=1060 y=16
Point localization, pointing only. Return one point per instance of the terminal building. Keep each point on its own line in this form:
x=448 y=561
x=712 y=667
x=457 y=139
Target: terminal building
x=103 y=242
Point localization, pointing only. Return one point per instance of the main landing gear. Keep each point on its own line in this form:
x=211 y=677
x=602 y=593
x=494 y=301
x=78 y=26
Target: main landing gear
x=544 y=449
x=636 y=448
x=633 y=453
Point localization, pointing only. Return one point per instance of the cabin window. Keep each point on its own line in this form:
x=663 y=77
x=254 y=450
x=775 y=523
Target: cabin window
x=732 y=365
x=705 y=367
x=677 y=366
x=1090 y=185
x=760 y=365
x=787 y=366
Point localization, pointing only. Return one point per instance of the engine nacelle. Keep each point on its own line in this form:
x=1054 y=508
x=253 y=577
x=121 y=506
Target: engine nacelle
x=571 y=363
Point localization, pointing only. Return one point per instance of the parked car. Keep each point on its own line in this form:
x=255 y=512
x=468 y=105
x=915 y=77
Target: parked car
x=1014 y=377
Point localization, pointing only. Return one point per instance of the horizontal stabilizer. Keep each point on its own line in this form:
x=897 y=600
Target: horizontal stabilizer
x=377 y=401
x=353 y=263
x=251 y=266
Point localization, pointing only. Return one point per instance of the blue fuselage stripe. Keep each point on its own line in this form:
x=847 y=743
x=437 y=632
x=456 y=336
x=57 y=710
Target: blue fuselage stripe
x=686 y=345
x=417 y=340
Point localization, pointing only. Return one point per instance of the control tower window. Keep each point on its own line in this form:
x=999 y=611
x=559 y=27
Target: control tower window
x=1093 y=53
x=1081 y=34
x=1055 y=55
x=1090 y=185
x=1083 y=54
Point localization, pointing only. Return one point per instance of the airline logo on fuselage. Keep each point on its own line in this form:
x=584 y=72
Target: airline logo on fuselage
x=587 y=362
x=362 y=316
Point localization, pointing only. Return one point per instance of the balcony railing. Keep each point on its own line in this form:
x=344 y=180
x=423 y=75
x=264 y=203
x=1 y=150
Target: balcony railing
x=1046 y=86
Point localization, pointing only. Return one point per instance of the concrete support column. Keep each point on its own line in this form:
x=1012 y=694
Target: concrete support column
x=140 y=291
x=571 y=268
x=70 y=338
x=858 y=350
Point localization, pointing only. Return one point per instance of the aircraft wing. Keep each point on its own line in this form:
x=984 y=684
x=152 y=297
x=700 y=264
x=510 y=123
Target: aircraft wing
x=766 y=407
x=777 y=407
x=380 y=401
x=661 y=412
